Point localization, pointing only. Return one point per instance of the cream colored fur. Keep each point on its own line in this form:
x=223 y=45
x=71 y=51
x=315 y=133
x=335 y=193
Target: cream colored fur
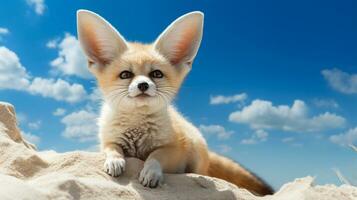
x=142 y=123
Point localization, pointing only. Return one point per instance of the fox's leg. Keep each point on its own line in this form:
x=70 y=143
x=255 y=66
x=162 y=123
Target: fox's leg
x=166 y=159
x=114 y=164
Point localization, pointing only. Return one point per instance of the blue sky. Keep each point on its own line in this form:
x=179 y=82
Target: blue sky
x=274 y=85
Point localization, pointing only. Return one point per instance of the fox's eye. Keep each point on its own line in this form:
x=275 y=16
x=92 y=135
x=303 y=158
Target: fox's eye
x=156 y=74
x=126 y=75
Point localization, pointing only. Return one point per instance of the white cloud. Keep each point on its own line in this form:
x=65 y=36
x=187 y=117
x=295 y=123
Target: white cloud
x=14 y=76
x=96 y=95
x=34 y=139
x=35 y=125
x=217 y=130
x=292 y=142
x=346 y=138
x=3 y=31
x=71 y=59
x=248 y=141
x=38 y=5
x=288 y=139
x=325 y=103
x=21 y=118
x=224 y=148
x=81 y=125
x=58 y=89
x=52 y=44
x=262 y=114
x=59 y=112
x=341 y=81
x=220 y=99
x=258 y=136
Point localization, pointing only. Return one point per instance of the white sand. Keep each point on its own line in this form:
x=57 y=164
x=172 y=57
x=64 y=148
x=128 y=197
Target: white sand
x=28 y=174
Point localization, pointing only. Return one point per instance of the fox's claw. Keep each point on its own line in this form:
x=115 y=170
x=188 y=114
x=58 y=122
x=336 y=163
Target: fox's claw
x=114 y=166
x=151 y=174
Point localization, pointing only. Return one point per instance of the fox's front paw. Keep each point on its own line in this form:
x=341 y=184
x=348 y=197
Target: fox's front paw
x=114 y=166
x=151 y=174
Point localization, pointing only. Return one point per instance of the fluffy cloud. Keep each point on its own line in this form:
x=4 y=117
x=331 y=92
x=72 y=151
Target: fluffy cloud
x=341 y=81
x=220 y=99
x=58 y=89
x=35 y=125
x=224 y=148
x=14 y=76
x=325 y=103
x=288 y=139
x=71 y=59
x=258 y=136
x=262 y=114
x=34 y=139
x=217 y=130
x=52 y=44
x=81 y=125
x=37 y=5
x=21 y=118
x=4 y=31
x=96 y=96
x=346 y=138
x=59 y=112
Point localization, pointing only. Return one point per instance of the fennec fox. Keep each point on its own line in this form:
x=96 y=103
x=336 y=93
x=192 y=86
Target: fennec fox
x=138 y=82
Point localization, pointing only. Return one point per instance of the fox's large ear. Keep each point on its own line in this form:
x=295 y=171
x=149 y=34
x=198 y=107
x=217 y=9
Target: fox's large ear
x=100 y=41
x=180 y=41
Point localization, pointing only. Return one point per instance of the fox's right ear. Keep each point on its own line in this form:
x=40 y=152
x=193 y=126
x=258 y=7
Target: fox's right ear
x=101 y=42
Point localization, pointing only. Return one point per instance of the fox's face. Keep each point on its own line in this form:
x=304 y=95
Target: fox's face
x=134 y=75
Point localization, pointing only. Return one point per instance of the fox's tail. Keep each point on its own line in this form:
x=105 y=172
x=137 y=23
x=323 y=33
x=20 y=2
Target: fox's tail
x=224 y=168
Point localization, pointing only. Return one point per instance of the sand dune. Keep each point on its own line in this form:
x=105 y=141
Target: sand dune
x=29 y=174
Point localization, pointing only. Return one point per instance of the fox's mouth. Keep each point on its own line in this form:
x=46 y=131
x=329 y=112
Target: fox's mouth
x=142 y=96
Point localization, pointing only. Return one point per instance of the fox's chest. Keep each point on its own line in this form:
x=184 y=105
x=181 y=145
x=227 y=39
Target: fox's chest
x=136 y=133
x=137 y=142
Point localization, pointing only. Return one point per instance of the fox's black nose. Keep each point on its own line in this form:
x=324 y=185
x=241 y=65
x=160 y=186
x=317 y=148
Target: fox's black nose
x=143 y=86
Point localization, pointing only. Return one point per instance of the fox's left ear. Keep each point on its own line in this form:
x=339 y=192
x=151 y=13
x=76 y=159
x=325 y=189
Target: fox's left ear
x=180 y=41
